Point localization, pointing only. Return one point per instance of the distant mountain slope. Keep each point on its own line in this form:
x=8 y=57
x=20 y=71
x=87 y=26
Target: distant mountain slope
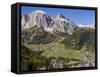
x=82 y=38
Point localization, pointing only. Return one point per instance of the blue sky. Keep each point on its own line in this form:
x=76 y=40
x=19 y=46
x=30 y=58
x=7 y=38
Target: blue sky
x=78 y=16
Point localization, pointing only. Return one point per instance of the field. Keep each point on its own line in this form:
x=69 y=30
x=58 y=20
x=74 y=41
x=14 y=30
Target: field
x=57 y=50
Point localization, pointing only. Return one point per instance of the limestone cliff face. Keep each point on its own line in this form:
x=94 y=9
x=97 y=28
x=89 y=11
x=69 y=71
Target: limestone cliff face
x=54 y=24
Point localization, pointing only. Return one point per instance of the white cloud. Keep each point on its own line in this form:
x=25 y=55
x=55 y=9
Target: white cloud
x=88 y=26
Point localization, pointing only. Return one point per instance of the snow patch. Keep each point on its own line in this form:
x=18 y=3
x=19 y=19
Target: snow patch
x=39 y=11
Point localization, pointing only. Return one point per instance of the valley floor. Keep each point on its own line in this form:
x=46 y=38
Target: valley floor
x=55 y=51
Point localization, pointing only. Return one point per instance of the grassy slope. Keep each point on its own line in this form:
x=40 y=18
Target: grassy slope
x=58 y=51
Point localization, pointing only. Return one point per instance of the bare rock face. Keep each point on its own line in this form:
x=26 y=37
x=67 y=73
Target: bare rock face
x=63 y=25
x=56 y=24
x=38 y=18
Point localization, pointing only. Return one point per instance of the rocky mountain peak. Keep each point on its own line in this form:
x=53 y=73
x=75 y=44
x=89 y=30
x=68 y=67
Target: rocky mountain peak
x=61 y=16
x=53 y=24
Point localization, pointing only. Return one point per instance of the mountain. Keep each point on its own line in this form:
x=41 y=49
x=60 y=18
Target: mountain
x=63 y=25
x=58 y=24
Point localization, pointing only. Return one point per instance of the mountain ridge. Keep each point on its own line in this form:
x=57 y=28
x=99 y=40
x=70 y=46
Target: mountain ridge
x=54 y=24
